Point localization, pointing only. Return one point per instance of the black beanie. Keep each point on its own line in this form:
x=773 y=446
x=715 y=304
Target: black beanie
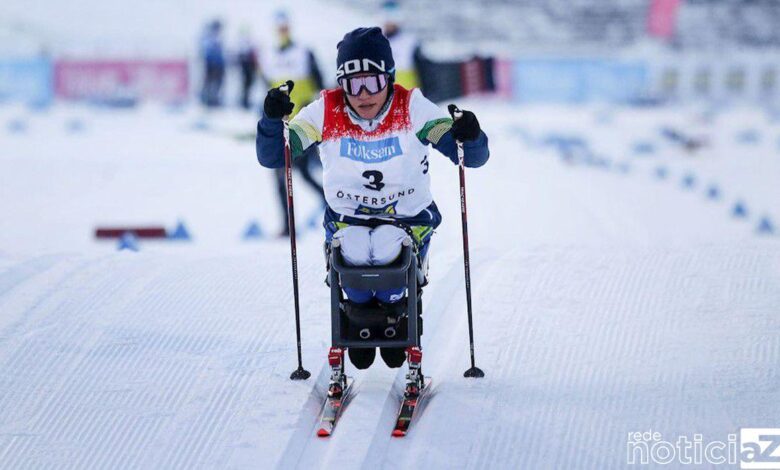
x=364 y=50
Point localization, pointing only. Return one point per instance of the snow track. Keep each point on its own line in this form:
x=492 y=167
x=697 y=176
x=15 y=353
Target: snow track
x=362 y=438
x=137 y=363
x=159 y=362
x=604 y=303
x=630 y=343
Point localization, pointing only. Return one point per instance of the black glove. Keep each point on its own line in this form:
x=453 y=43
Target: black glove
x=466 y=127
x=277 y=102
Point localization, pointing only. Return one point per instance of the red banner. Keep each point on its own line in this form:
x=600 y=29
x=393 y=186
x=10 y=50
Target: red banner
x=502 y=71
x=161 y=80
x=662 y=18
x=473 y=76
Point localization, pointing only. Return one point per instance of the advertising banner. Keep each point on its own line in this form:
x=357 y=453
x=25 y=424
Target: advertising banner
x=579 y=80
x=26 y=79
x=160 y=80
x=662 y=18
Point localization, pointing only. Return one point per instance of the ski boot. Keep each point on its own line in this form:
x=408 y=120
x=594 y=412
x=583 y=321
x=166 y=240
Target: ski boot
x=338 y=380
x=414 y=378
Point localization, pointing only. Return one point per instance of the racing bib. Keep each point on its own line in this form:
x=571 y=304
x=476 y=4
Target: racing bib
x=378 y=173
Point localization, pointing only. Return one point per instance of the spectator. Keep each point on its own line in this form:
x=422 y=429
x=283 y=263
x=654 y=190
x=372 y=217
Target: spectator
x=247 y=62
x=406 y=48
x=213 y=56
x=290 y=61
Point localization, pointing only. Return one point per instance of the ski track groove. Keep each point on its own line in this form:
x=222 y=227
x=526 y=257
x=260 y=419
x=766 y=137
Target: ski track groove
x=589 y=406
x=161 y=363
x=91 y=399
x=40 y=289
x=20 y=273
x=448 y=291
x=307 y=421
x=28 y=357
x=304 y=447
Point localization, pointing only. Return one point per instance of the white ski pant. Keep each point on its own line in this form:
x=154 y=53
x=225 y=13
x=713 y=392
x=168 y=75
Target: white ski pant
x=366 y=246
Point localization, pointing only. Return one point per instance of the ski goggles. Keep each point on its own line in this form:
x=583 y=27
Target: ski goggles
x=372 y=83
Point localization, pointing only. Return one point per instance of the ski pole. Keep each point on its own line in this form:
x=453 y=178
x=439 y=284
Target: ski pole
x=300 y=373
x=474 y=371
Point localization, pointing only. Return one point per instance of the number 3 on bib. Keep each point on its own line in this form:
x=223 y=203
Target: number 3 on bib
x=424 y=163
x=374 y=180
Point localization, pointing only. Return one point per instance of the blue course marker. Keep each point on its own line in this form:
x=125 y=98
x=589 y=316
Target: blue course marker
x=128 y=241
x=16 y=126
x=180 y=233
x=661 y=173
x=765 y=226
x=200 y=124
x=74 y=126
x=689 y=180
x=643 y=148
x=713 y=192
x=253 y=231
x=600 y=162
x=739 y=210
x=748 y=136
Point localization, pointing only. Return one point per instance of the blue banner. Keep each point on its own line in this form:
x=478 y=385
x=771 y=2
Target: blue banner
x=579 y=80
x=29 y=80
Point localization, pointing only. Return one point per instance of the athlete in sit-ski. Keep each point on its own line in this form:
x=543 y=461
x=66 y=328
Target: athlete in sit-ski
x=373 y=138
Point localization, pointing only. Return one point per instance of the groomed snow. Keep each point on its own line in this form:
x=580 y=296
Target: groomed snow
x=606 y=300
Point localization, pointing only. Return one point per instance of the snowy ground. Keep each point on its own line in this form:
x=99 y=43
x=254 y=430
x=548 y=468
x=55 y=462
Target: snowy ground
x=607 y=299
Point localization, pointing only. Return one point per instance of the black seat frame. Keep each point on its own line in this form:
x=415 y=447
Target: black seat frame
x=404 y=271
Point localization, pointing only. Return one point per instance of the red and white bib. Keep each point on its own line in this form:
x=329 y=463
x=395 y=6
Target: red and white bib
x=373 y=168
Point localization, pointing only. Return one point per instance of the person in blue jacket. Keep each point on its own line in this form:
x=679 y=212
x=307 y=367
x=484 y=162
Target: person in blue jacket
x=213 y=55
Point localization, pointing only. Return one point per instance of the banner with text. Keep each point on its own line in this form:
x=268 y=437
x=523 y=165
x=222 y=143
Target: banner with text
x=158 y=80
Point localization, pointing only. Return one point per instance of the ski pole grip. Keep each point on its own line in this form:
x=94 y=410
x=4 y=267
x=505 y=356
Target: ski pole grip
x=455 y=112
x=287 y=87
